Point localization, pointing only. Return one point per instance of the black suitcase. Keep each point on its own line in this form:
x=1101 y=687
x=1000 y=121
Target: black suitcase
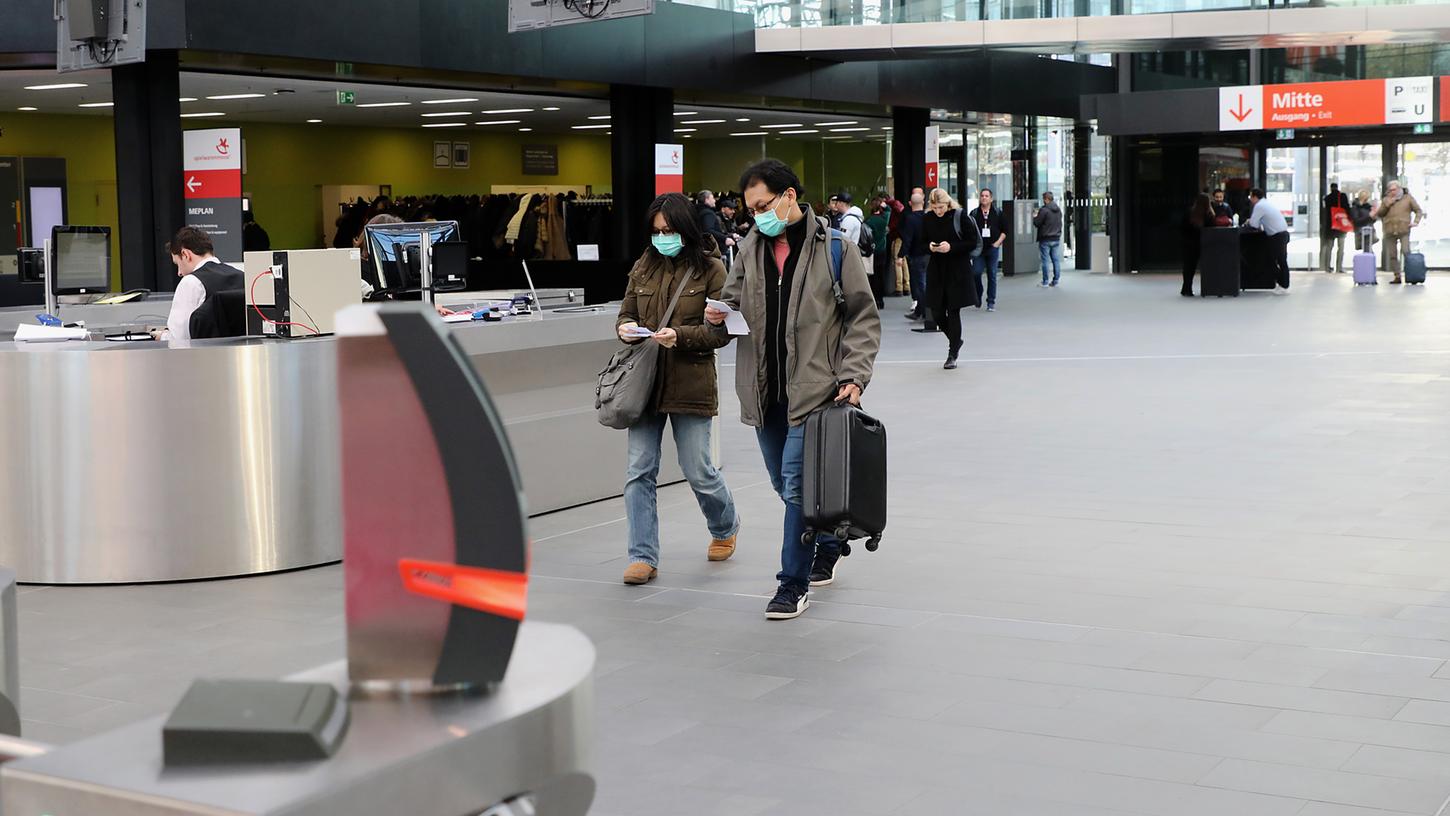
x=843 y=488
x=1218 y=262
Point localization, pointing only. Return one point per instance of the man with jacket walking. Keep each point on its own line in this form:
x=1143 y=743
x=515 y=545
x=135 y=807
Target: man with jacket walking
x=1328 y=235
x=1048 y=221
x=1400 y=213
x=987 y=220
x=804 y=351
x=709 y=220
x=914 y=247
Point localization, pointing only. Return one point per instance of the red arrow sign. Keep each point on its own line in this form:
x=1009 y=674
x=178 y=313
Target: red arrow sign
x=212 y=183
x=1241 y=114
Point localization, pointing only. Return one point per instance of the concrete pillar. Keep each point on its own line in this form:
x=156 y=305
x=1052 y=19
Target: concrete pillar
x=148 y=168
x=641 y=118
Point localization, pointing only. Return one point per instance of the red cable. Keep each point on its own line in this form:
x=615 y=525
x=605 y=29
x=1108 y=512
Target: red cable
x=266 y=319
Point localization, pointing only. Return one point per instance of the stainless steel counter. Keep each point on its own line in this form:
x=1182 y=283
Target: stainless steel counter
x=130 y=462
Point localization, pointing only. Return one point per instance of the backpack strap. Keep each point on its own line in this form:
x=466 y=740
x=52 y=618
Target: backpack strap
x=837 y=241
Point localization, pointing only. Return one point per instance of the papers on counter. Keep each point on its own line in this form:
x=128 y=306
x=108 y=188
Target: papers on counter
x=31 y=333
x=734 y=321
x=458 y=317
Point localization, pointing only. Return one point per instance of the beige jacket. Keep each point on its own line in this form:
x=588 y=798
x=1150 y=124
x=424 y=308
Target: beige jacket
x=823 y=351
x=1398 y=215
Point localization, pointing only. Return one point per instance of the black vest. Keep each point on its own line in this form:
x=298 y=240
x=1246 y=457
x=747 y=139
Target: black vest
x=223 y=289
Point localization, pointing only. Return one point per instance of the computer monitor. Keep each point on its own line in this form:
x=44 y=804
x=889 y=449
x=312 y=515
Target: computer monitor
x=80 y=260
x=450 y=266
x=394 y=250
x=31 y=263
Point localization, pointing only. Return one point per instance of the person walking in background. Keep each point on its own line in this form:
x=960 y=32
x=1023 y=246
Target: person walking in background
x=849 y=217
x=1200 y=215
x=1048 y=221
x=1361 y=214
x=709 y=219
x=1266 y=217
x=913 y=243
x=987 y=220
x=1330 y=235
x=880 y=223
x=1400 y=213
x=949 y=286
x=680 y=258
x=804 y=351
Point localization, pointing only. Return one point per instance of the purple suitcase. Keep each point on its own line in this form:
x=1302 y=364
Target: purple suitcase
x=1364 y=272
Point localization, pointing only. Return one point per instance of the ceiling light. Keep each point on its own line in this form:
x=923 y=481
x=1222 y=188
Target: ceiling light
x=797 y=132
x=686 y=113
x=384 y=104
x=704 y=122
x=848 y=130
x=499 y=122
x=447 y=124
x=829 y=124
x=687 y=136
x=743 y=119
x=201 y=115
x=56 y=87
x=597 y=118
x=755 y=133
x=96 y=104
x=590 y=127
x=450 y=114
x=837 y=138
x=187 y=99
x=526 y=130
x=27 y=108
x=458 y=101
x=550 y=109
x=686 y=130
x=220 y=97
x=314 y=121
x=795 y=125
x=509 y=110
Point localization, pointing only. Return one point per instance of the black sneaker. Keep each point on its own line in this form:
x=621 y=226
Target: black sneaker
x=823 y=571
x=789 y=602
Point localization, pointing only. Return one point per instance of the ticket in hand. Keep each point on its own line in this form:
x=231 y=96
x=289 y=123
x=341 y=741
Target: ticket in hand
x=638 y=331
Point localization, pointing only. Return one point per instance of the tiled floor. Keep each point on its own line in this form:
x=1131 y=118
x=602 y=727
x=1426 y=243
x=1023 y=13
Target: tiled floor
x=1147 y=555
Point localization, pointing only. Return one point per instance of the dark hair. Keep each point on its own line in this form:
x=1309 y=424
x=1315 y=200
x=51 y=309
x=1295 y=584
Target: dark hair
x=1201 y=213
x=1334 y=185
x=1256 y=193
x=191 y=238
x=680 y=216
x=988 y=191
x=775 y=174
x=728 y=202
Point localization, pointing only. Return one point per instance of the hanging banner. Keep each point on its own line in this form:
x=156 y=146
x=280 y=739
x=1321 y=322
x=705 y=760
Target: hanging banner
x=933 y=157
x=669 y=168
x=211 y=180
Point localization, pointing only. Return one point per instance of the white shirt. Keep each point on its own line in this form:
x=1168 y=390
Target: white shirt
x=1268 y=218
x=190 y=294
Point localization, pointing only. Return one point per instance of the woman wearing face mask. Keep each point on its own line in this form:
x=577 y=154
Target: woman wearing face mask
x=949 y=286
x=680 y=258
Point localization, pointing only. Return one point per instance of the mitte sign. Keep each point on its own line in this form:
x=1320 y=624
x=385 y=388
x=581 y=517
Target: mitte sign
x=1352 y=103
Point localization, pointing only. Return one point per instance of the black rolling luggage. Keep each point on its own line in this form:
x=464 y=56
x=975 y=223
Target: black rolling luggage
x=843 y=489
x=1218 y=262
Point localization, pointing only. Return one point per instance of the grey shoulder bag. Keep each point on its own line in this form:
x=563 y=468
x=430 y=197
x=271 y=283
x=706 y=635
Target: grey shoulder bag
x=627 y=384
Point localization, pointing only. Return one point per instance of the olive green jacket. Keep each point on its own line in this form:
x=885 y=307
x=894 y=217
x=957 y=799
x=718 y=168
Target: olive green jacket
x=1398 y=216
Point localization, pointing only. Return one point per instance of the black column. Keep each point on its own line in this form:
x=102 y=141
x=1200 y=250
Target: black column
x=1120 y=211
x=641 y=118
x=1082 y=188
x=908 y=149
x=148 y=167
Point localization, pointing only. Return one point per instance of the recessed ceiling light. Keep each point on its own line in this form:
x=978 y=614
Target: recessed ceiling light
x=597 y=118
x=237 y=96
x=688 y=136
x=743 y=119
x=27 y=108
x=96 y=104
x=187 y=99
x=686 y=113
x=686 y=130
x=795 y=125
x=526 y=130
x=447 y=124
x=457 y=101
x=201 y=115
x=753 y=133
x=703 y=122
x=797 y=132
x=848 y=130
x=590 y=127
x=551 y=109
x=314 y=121
x=829 y=124
x=59 y=86
x=499 y=122
x=449 y=114
x=384 y=104
x=509 y=110
x=838 y=138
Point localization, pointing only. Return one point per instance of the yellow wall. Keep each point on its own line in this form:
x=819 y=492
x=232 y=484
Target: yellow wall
x=88 y=145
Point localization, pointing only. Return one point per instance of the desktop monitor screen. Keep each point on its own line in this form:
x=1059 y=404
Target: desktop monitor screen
x=394 y=250
x=80 y=260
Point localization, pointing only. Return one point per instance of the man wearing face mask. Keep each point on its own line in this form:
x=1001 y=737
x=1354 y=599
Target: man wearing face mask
x=804 y=351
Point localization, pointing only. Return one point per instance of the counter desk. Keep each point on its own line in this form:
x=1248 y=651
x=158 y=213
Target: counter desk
x=133 y=462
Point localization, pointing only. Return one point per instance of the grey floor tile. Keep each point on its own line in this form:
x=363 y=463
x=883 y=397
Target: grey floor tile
x=1362 y=790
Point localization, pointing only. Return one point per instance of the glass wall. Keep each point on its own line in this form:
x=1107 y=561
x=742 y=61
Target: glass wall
x=1425 y=173
x=1292 y=184
x=1173 y=70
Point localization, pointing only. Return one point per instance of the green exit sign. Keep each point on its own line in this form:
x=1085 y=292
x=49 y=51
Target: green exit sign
x=346 y=97
x=1424 y=128
x=342 y=68
x=1283 y=134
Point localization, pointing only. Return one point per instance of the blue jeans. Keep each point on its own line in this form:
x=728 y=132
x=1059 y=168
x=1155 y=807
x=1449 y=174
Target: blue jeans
x=1051 y=253
x=987 y=263
x=784 y=448
x=692 y=441
x=917 y=265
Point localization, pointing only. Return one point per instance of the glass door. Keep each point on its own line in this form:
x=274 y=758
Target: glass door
x=1425 y=174
x=1357 y=169
x=1292 y=183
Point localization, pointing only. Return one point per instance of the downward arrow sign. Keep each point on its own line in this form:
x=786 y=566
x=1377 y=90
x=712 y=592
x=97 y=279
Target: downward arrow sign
x=1241 y=114
x=192 y=184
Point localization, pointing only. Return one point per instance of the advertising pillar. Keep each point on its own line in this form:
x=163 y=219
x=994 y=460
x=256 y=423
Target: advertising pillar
x=211 y=181
x=669 y=168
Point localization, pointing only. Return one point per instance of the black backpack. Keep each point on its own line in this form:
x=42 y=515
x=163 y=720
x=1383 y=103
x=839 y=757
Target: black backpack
x=867 y=242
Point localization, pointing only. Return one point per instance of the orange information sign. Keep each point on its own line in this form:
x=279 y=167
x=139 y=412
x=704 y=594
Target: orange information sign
x=1325 y=104
x=1445 y=99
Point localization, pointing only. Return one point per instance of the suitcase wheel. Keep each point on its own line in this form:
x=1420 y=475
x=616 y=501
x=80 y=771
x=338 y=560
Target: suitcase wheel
x=843 y=533
x=873 y=543
x=808 y=538
x=845 y=548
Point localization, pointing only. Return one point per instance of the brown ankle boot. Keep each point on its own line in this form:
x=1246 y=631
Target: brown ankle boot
x=721 y=550
x=639 y=573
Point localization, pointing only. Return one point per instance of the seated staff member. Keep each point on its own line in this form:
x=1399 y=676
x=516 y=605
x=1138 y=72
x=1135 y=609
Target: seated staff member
x=202 y=276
